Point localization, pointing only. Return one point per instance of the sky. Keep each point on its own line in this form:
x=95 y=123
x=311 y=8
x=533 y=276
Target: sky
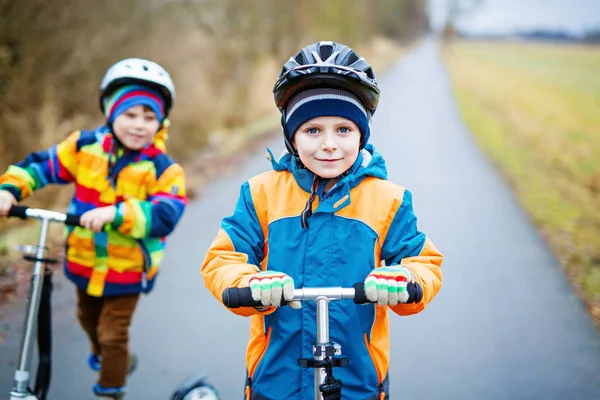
x=503 y=16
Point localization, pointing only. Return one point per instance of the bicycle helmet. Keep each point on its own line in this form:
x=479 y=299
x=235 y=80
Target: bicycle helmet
x=327 y=64
x=141 y=71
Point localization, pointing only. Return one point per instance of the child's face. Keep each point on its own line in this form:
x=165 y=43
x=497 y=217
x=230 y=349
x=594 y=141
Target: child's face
x=136 y=127
x=327 y=146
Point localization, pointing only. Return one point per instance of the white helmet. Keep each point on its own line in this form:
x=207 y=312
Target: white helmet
x=138 y=70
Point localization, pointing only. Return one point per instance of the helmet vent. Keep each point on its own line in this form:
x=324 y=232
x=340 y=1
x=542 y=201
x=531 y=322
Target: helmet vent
x=327 y=64
x=325 y=51
x=352 y=58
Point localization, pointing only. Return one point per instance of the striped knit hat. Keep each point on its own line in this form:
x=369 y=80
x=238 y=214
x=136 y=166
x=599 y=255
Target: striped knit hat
x=326 y=102
x=129 y=96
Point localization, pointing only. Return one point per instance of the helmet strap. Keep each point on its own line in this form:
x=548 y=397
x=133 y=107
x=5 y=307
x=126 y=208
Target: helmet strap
x=288 y=143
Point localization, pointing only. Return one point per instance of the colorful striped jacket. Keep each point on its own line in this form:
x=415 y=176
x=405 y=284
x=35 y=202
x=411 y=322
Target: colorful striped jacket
x=363 y=220
x=147 y=187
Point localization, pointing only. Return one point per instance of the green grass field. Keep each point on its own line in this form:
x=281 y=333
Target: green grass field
x=535 y=110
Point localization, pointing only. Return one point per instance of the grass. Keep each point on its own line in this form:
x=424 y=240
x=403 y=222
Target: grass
x=533 y=108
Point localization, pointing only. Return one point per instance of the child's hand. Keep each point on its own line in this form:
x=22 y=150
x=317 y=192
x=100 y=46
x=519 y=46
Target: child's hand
x=7 y=200
x=268 y=286
x=392 y=285
x=96 y=219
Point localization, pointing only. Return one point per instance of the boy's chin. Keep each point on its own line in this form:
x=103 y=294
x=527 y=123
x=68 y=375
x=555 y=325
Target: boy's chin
x=134 y=148
x=327 y=174
x=134 y=145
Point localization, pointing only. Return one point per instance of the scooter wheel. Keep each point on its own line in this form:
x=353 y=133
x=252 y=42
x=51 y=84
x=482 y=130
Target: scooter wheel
x=195 y=389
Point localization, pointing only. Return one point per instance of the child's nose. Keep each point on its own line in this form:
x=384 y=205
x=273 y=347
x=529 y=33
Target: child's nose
x=138 y=123
x=329 y=144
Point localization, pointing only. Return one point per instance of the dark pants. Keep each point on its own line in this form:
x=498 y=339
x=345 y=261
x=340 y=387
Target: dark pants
x=106 y=321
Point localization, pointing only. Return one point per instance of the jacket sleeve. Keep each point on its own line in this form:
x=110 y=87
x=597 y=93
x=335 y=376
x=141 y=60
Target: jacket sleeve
x=58 y=165
x=237 y=251
x=406 y=245
x=159 y=214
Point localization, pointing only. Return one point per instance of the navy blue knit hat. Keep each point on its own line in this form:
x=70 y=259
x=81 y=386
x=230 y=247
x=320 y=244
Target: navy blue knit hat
x=326 y=102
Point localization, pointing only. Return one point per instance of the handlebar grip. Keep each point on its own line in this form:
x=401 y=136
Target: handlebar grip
x=73 y=220
x=360 y=297
x=234 y=297
x=18 y=211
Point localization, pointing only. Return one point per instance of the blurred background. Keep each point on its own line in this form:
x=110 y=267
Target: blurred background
x=524 y=76
x=224 y=57
x=524 y=73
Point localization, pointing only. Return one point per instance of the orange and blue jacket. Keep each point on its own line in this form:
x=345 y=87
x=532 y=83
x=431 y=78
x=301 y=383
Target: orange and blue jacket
x=362 y=221
x=146 y=186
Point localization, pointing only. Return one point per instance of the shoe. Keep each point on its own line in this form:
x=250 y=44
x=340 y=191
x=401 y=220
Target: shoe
x=95 y=363
x=133 y=364
x=109 y=393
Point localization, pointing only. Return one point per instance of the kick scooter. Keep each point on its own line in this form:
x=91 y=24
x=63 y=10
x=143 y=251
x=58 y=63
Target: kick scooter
x=38 y=315
x=323 y=361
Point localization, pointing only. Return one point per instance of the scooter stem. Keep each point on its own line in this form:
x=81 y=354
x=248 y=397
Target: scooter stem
x=322 y=339
x=22 y=373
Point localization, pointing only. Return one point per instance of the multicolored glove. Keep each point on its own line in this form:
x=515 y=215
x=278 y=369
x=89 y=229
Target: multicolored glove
x=392 y=285
x=269 y=286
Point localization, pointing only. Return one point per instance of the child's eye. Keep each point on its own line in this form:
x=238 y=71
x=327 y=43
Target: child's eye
x=150 y=118
x=312 y=131
x=344 y=129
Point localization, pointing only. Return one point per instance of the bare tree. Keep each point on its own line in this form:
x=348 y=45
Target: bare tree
x=456 y=10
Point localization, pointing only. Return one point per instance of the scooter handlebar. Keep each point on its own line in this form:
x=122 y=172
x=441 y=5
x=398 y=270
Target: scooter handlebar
x=25 y=212
x=18 y=211
x=235 y=297
x=73 y=220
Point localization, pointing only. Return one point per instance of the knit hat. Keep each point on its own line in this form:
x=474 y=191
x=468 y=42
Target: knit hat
x=129 y=96
x=326 y=102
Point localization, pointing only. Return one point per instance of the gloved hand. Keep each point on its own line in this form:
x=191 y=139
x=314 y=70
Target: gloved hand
x=268 y=287
x=392 y=285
